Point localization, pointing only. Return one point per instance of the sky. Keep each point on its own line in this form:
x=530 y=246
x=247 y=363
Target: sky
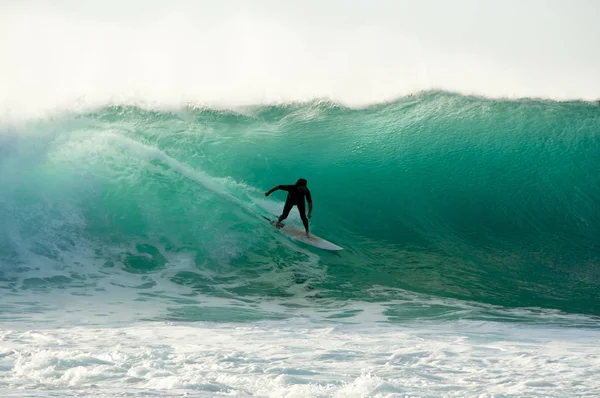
x=233 y=52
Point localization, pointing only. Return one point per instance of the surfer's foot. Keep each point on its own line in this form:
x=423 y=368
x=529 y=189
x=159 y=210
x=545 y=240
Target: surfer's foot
x=277 y=224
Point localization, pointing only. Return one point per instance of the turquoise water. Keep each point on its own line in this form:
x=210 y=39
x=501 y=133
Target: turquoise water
x=458 y=197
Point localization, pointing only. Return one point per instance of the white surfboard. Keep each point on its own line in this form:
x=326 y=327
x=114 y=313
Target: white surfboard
x=300 y=235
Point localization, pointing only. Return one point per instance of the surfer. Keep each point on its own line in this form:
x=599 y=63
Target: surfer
x=296 y=195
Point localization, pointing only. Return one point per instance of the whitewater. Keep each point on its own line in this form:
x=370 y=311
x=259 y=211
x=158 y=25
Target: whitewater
x=451 y=149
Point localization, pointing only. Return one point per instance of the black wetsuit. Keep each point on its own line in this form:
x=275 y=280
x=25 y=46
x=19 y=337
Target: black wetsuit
x=295 y=197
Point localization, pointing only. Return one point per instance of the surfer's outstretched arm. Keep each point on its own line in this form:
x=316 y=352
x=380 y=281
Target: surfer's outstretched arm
x=270 y=191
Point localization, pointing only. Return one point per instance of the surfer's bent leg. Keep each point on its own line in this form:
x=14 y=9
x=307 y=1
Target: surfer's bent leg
x=286 y=210
x=302 y=211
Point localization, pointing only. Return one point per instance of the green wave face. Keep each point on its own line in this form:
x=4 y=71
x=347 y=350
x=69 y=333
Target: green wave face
x=482 y=200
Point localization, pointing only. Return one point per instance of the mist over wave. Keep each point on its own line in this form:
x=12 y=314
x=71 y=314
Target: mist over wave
x=74 y=55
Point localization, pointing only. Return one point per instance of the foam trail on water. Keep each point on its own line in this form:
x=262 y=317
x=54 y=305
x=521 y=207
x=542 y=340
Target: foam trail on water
x=246 y=199
x=215 y=185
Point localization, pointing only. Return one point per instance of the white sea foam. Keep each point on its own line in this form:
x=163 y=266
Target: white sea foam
x=299 y=359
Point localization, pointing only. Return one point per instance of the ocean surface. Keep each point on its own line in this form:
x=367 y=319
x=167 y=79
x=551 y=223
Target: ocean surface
x=135 y=260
